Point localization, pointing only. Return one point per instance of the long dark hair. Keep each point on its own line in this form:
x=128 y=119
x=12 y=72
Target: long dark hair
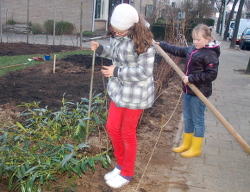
x=140 y=34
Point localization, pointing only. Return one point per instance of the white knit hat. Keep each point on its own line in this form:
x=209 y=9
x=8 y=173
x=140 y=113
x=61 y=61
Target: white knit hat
x=124 y=16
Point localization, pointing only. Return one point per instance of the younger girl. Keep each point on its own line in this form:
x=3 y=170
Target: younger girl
x=201 y=69
x=130 y=87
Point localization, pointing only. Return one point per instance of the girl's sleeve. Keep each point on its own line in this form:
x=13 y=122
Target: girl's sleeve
x=142 y=70
x=174 y=50
x=104 y=51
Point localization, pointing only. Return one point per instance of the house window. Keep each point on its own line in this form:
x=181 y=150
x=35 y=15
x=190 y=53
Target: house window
x=101 y=9
x=104 y=6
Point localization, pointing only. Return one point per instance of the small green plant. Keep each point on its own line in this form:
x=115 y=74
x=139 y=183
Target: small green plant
x=48 y=144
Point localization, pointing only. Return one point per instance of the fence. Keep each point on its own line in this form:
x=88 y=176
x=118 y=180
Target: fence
x=52 y=22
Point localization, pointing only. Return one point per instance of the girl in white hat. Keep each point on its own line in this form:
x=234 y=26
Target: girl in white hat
x=130 y=87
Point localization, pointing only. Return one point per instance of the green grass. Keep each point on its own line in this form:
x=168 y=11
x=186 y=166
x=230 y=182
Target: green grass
x=22 y=60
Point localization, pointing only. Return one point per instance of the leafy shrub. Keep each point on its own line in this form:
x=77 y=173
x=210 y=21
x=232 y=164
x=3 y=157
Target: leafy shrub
x=161 y=20
x=158 y=31
x=64 y=28
x=89 y=34
x=11 y=22
x=49 y=26
x=48 y=144
x=36 y=29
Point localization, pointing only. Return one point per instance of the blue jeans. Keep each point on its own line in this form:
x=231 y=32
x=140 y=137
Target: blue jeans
x=194 y=114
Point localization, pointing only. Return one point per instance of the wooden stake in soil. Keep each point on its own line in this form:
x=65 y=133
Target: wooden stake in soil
x=90 y=95
x=54 y=64
x=217 y=114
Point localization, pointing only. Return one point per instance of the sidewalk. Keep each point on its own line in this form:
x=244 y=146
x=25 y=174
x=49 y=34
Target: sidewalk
x=224 y=165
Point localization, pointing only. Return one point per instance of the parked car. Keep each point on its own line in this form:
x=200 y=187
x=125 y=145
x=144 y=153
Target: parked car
x=245 y=39
x=244 y=23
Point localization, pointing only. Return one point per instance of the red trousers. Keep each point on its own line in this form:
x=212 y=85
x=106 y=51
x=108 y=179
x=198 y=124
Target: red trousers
x=121 y=127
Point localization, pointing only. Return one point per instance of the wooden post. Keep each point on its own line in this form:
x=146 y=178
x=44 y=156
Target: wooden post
x=54 y=24
x=54 y=64
x=217 y=114
x=81 y=25
x=1 y=26
x=90 y=95
x=28 y=13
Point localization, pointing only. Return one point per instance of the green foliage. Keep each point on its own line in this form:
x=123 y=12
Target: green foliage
x=49 y=26
x=158 y=31
x=64 y=28
x=48 y=144
x=61 y=27
x=161 y=20
x=36 y=29
x=89 y=34
x=11 y=22
x=207 y=21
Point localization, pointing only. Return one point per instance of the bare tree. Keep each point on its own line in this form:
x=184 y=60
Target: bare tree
x=236 y=26
x=220 y=6
x=229 y=19
x=247 y=4
x=204 y=8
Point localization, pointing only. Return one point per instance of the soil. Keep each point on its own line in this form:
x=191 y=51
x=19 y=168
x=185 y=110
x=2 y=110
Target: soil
x=72 y=79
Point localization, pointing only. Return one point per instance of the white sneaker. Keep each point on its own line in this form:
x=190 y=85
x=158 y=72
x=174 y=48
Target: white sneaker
x=117 y=182
x=112 y=174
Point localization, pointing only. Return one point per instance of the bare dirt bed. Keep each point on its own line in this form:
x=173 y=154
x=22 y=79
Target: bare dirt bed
x=72 y=78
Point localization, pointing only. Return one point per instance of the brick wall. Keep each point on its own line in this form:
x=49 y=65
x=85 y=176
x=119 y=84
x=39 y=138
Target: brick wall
x=42 y=10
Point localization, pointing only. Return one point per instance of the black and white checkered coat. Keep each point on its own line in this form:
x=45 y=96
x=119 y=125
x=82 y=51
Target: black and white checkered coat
x=133 y=87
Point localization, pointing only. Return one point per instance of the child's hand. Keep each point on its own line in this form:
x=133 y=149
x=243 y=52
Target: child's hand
x=157 y=43
x=185 y=79
x=94 y=45
x=108 y=71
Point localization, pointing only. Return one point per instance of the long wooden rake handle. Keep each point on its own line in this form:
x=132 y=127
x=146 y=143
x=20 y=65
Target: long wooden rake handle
x=209 y=105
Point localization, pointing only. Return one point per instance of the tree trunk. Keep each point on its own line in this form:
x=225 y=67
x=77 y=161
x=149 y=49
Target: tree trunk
x=218 y=23
x=248 y=66
x=222 y=16
x=236 y=25
x=229 y=19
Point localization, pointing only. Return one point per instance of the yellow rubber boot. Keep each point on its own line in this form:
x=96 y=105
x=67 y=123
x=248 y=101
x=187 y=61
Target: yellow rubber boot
x=195 y=149
x=186 y=143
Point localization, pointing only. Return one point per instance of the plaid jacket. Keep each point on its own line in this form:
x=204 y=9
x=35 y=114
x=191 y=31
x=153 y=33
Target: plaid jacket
x=134 y=85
